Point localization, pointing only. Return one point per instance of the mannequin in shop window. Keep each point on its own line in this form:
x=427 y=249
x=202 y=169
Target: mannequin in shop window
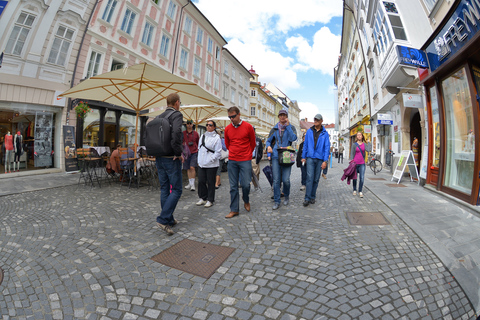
x=17 y=144
x=8 y=152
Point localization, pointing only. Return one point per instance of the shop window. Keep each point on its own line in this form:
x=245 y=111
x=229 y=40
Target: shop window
x=459 y=130
x=110 y=129
x=127 y=130
x=91 y=125
x=435 y=126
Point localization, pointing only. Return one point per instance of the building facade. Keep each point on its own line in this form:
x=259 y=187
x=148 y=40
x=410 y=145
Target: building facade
x=262 y=105
x=235 y=83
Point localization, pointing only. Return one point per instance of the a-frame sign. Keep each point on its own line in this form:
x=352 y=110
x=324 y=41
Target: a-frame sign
x=406 y=159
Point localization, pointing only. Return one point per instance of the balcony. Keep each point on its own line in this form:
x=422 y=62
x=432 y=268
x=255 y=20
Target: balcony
x=396 y=73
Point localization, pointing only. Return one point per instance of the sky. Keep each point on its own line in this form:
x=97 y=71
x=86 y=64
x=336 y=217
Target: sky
x=294 y=45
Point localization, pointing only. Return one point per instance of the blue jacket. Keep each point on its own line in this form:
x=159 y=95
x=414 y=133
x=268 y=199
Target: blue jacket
x=321 y=150
x=289 y=136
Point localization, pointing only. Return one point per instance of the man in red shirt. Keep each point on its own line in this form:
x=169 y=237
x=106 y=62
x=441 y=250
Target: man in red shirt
x=240 y=142
x=191 y=138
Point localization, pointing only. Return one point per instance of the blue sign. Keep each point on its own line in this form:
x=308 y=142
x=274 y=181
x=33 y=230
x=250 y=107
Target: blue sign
x=412 y=57
x=460 y=28
x=3 y=4
x=385 y=121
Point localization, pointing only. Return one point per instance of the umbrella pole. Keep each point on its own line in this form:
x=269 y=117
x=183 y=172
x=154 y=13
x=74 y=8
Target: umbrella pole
x=135 y=146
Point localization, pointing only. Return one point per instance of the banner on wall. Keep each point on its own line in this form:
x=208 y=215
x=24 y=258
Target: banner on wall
x=3 y=4
x=71 y=163
x=43 y=139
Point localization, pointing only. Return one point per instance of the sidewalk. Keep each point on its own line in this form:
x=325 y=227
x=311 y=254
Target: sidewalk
x=450 y=229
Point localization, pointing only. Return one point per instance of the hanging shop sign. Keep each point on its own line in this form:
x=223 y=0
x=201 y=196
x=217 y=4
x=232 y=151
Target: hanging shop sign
x=412 y=57
x=412 y=100
x=384 y=118
x=460 y=28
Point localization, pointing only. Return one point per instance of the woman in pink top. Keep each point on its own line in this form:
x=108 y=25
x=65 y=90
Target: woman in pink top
x=357 y=154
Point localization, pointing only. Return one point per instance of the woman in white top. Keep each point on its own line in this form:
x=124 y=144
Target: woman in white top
x=209 y=153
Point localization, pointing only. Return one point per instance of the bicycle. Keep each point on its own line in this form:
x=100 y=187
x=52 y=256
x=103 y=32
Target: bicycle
x=375 y=164
x=389 y=159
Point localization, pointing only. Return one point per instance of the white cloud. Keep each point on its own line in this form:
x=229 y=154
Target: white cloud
x=321 y=56
x=309 y=110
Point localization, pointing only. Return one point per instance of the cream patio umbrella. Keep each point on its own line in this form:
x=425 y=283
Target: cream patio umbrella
x=139 y=87
x=199 y=113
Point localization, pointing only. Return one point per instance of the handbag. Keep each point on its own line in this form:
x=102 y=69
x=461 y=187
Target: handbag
x=287 y=156
x=186 y=151
x=267 y=170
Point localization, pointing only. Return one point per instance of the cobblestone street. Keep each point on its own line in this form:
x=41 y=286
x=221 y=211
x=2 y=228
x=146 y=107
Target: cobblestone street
x=86 y=253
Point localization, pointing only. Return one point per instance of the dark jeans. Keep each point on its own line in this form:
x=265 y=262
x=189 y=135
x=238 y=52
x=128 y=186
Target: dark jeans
x=303 y=168
x=360 y=176
x=340 y=155
x=169 y=174
x=206 y=183
x=239 y=171
x=314 y=168
x=280 y=174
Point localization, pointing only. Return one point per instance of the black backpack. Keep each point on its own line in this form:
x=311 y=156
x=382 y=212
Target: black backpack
x=158 y=136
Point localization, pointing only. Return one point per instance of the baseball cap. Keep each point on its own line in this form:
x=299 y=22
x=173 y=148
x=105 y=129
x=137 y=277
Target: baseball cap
x=190 y=121
x=318 y=116
x=283 y=111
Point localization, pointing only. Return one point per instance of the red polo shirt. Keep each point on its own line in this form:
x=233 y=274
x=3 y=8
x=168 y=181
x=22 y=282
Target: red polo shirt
x=240 y=141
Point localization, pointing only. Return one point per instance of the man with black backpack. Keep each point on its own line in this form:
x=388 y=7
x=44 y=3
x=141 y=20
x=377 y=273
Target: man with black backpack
x=163 y=140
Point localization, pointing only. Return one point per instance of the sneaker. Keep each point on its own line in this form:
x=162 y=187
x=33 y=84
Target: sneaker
x=166 y=228
x=312 y=201
x=286 y=201
x=302 y=188
x=324 y=176
x=361 y=194
x=208 y=204
x=188 y=187
x=201 y=202
x=306 y=203
x=192 y=188
x=354 y=193
x=276 y=206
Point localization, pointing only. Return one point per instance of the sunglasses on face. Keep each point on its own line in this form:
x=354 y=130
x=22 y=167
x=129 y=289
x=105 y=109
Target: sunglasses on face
x=209 y=124
x=232 y=117
x=189 y=123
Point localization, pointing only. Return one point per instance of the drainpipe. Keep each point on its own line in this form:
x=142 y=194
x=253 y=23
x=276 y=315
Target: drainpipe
x=178 y=34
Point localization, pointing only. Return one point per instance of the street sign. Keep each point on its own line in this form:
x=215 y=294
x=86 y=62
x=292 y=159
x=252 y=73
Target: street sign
x=412 y=100
x=384 y=118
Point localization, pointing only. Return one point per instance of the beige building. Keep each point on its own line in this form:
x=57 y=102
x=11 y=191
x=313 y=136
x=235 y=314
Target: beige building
x=262 y=105
x=235 y=83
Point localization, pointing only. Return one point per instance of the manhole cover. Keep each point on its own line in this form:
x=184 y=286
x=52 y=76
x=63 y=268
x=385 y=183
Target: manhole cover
x=376 y=178
x=1 y=275
x=366 y=218
x=197 y=258
x=394 y=185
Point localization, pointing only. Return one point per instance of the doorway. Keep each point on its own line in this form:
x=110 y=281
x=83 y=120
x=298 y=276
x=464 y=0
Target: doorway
x=416 y=132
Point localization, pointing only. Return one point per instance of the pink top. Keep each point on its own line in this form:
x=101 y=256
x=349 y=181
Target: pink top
x=359 y=159
x=8 y=142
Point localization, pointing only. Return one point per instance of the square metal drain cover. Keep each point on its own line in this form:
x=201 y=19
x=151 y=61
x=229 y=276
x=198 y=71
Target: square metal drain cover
x=367 y=218
x=394 y=185
x=376 y=179
x=197 y=258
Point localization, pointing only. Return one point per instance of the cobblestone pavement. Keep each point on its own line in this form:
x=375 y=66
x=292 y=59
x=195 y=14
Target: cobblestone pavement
x=86 y=255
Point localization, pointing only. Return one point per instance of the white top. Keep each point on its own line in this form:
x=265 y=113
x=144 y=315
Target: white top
x=205 y=158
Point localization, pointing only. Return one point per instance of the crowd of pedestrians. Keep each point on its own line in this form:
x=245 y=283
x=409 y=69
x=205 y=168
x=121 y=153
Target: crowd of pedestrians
x=244 y=151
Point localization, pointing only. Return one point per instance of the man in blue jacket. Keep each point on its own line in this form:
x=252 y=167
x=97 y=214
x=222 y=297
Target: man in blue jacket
x=316 y=150
x=282 y=136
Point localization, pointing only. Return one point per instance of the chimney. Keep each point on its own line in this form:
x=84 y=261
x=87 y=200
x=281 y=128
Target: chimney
x=306 y=119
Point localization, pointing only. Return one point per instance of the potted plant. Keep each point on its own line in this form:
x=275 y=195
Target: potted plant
x=82 y=109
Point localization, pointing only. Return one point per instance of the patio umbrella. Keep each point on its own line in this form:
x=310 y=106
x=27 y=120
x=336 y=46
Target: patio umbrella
x=139 y=87
x=199 y=113
x=221 y=122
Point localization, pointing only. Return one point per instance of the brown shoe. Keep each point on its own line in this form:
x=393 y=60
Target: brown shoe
x=231 y=215
x=247 y=206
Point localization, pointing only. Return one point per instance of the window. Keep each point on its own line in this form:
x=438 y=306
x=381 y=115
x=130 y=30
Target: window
x=208 y=76
x=164 y=46
x=183 y=59
x=397 y=27
x=128 y=20
x=217 y=53
x=252 y=111
x=234 y=73
x=253 y=93
x=225 y=68
x=199 y=35
x=117 y=65
x=381 y=34
x=147 y=33
x=109 y=9
x=61 y=44
x=225 y=91
x=157 y=1
x=430 y=4
x=241 y=80
x=210 y=45
x=364 y=96
x=247 y=83
x=232 y=95
x=19 y=33
x=188 y=25
x=196 y=67
x=216 y=80
x=374 y=81
x=171 y=9
x=240 y=100
x=94 y=64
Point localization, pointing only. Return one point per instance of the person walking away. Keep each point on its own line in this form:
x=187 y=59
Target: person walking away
x=257 y=156
x=316 y=150
x=284 y=136
x=240 y=142
x=340 y=153
x=357 y=153
x=169 y=167
x=224 y=155
x=301 y=165
x=191 y=138
x=209 y=153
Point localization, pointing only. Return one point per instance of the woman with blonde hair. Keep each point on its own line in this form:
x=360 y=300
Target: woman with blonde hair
x=357 y=154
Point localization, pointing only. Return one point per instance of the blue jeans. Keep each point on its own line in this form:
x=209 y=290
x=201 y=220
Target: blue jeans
x=303 y=168
x=169 y=174
x=360 y=176
x=280 y=174
x=314 y=169
x=239 y=171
